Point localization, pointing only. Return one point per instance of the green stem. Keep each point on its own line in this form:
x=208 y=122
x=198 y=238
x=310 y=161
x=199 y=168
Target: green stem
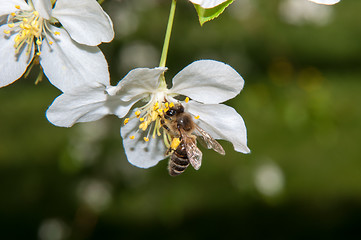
x=163 y=59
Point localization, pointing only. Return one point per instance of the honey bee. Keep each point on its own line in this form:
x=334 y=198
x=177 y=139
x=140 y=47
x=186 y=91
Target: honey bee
x=184 y=132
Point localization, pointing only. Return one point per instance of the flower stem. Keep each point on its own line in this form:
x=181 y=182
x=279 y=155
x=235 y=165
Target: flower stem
x=163 y=58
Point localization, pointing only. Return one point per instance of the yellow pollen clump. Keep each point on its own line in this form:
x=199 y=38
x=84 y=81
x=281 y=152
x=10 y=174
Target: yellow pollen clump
x=187 y=99
x=17 y=6
x=146 y=139
x=50 y=42
x=57 y=33
x=175 y=143
x=166 y=104
x=11 y=25
x=7 y=31
x=196 y=117
x=141 y=119
x=13 y=14
x=126 y=121
x=171 y=104
x=132 y=137
x=137 y=113
x=39 y=42
x=38 y=53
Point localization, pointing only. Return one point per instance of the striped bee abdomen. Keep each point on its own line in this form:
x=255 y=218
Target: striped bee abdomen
x=178 y=161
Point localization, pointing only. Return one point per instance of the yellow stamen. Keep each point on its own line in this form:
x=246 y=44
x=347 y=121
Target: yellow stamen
x=38 y=53
x=51 y=43
x=187 y=99
x=175 y=143
x=141 y=119
x=156 y=106
x=137 y=113
x=132 y=137
x=7 y=31
x=143 y=125
x=38 y=42
x=17 y=6
x=36 y=13
x=11 y=25
x=25 y=20
x=57 y=33
x=126 y=121
x=13 y=14
x=146 y=139
x=166 y=104
x=171 y=104
x=154 y=115
x=165 y=140
x=196 y=117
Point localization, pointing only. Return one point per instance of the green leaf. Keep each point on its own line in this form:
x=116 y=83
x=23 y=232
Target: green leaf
x=205 y=15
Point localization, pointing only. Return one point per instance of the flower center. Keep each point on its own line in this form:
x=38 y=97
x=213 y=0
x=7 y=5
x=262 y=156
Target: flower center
x=150 y=117
x=29 y=26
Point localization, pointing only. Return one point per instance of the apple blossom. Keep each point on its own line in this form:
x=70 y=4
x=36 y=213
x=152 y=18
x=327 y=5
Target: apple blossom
x=64 y=37
x=207 y=82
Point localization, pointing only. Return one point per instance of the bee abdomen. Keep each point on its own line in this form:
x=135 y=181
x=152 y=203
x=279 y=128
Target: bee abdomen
x=177 y=165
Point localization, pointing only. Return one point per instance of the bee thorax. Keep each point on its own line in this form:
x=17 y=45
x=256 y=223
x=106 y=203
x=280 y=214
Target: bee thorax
x=185 y=122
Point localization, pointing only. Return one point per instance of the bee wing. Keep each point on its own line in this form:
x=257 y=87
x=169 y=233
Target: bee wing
x=209 y=140
x=193 y=153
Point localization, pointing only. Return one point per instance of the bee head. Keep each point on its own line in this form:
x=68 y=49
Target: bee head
x=177 y=109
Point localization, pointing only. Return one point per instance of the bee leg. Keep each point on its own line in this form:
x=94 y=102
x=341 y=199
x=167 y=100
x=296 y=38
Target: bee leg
x=163 y=125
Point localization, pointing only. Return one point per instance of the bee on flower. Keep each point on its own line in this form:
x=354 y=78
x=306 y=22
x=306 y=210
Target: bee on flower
x=151 y=111
x=61 y=35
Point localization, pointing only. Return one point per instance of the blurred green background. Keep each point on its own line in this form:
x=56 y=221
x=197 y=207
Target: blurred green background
x=301 y=104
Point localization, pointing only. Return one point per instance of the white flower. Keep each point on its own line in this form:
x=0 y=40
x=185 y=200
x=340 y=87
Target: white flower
x=208 y=3
x=67 y=54
x=208 y=83
x=326 y=2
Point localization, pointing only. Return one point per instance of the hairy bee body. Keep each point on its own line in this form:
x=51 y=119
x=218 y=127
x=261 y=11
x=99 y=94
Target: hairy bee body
x=181 y=128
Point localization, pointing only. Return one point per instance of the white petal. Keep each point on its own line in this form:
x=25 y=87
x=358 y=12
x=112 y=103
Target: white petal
x=221 y=122
x=138 y=82
x=44 y=8
x=326 y=2
x=208 y=3
x=120 y=108
x=8 y=6
x=85 y=21
x=84 y=106
x=69 y=65
x=208 y=81
x=12 y=66
x=140 y=153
